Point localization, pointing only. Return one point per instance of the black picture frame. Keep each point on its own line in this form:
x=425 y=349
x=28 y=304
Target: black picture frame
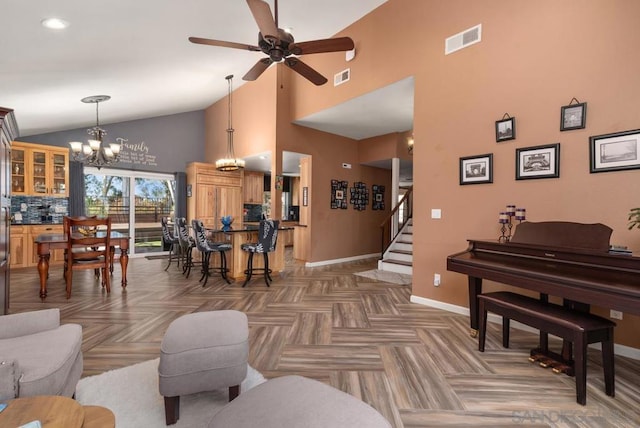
x=338 y=194
x=359 y=196
x=617 y=151
x=505 y=129
x=476 y=169
x=573 y=116
x=378 y=197
x=538 y=162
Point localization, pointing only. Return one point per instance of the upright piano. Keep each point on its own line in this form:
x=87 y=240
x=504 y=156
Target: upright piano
x=565 y=259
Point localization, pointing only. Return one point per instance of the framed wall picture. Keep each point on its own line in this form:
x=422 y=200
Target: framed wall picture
x=615 y=152
x=573 y=116
x=538 y=162
x=359 y=196
x=505 y=129
x=377 y=191
x=476 y=169
x=338 y=194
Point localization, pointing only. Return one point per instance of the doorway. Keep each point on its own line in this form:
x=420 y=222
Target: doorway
x=135 y=201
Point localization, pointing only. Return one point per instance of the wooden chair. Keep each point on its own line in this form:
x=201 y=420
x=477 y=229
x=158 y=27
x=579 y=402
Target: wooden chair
x=88 y=247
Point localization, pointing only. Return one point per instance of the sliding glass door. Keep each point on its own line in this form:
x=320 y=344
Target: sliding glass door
x=135 y=201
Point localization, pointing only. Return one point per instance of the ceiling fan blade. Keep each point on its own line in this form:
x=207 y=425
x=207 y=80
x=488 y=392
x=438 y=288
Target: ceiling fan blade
x=258 y=69
x=305 y=71
x=201 y=41
x=324 y=45
x=262 y=14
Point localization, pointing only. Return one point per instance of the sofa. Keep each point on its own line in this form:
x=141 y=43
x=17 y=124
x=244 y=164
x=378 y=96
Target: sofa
x=297 y=402
x=38 y=356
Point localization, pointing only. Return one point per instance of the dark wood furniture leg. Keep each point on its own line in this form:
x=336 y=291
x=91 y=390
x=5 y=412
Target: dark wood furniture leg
x=43 y=270
x=124 y=261
x=475 y=288
x=171 y=409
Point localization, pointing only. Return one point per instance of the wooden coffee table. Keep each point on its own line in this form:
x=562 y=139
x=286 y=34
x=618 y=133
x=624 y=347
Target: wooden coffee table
x=55 y=412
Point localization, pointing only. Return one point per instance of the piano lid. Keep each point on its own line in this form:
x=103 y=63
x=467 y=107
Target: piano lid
x=564 y=234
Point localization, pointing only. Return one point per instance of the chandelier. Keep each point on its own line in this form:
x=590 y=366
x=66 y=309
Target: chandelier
x=94 y=153
x=229 y=162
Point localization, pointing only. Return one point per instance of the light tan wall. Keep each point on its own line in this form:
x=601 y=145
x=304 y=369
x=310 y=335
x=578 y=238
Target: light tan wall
x=335 y=233
x=384 y=147
x=533 y=58
x=253 y=119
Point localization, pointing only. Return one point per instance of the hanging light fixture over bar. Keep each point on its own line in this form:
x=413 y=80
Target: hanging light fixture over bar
x=229 y=162
x=94 y=153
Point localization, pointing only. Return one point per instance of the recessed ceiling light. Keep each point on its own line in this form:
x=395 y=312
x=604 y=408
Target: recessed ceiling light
x=54 y=23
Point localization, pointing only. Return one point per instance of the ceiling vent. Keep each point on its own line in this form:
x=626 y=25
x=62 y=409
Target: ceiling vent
x=340 y=78
x=463 y=39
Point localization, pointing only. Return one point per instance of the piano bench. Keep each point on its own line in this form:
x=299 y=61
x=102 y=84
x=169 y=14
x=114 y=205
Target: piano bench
x=580 y=328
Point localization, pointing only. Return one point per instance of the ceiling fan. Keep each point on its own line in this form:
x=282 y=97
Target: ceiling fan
x=280 y=46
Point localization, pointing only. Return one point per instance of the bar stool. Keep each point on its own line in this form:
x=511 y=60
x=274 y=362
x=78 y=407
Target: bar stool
x=207 y=248
x=267 y=237
x=169 y=238
x=187 y=244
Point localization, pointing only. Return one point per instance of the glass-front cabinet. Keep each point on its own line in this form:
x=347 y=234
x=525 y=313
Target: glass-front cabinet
x=18 y=171
x=39 y=170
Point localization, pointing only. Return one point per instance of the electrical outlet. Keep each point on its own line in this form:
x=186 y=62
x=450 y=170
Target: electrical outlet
x=616 y=315
x=436 y=279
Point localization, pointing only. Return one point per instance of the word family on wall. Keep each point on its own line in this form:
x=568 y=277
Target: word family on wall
x=137 y=154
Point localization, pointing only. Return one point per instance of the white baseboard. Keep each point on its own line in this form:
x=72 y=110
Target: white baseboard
x=622 y=350
x=345 y=260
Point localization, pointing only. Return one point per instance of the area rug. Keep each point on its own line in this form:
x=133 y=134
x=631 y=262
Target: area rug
x=383 y=275
x=131 y=393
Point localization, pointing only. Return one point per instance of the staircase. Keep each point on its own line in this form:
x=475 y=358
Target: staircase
x=399 y=256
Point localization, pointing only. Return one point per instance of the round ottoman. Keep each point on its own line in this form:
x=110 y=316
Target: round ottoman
x=203 y=351
x=297 y=402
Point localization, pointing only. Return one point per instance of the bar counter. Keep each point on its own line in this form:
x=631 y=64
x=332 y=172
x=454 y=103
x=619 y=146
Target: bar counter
x=237 y=260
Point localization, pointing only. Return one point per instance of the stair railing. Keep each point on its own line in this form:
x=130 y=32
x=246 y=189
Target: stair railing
x=390 y=227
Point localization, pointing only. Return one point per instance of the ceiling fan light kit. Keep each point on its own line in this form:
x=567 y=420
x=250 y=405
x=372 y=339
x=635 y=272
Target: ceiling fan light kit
x=280 y=46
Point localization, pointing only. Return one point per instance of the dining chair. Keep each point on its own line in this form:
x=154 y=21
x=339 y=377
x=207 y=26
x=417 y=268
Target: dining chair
x=207 y=248
x=267 y=238
x=187 y=244
x=88 y=247
x=65 y=227
x=170 y=239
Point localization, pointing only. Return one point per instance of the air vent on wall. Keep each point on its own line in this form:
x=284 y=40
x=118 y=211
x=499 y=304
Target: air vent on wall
x=463 y=39
x=340 y=78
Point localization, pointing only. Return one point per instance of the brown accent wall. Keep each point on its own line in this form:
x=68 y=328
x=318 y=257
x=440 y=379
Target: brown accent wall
x=534 y=58
x=386 y=146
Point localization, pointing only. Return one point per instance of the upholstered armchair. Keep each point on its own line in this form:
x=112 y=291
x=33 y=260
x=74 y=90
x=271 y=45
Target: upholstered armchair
x=38 y=356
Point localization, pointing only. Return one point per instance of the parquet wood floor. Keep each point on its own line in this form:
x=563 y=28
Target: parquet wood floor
x=417 y=365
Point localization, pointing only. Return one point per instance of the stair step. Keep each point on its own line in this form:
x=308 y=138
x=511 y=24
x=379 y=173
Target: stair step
x=406 y=252
x=395 y=266
x=397 y=262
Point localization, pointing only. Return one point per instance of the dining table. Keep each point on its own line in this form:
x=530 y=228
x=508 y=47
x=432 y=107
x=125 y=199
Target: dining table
x=51 y=241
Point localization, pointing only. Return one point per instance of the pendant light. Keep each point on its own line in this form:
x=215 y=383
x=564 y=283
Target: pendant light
x=230 y=162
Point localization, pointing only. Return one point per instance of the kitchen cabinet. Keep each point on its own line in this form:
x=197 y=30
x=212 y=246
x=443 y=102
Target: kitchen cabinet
x=253 y=187
x=39 y=170
x=19 y=247
x=24 y=253
x=214 y=194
